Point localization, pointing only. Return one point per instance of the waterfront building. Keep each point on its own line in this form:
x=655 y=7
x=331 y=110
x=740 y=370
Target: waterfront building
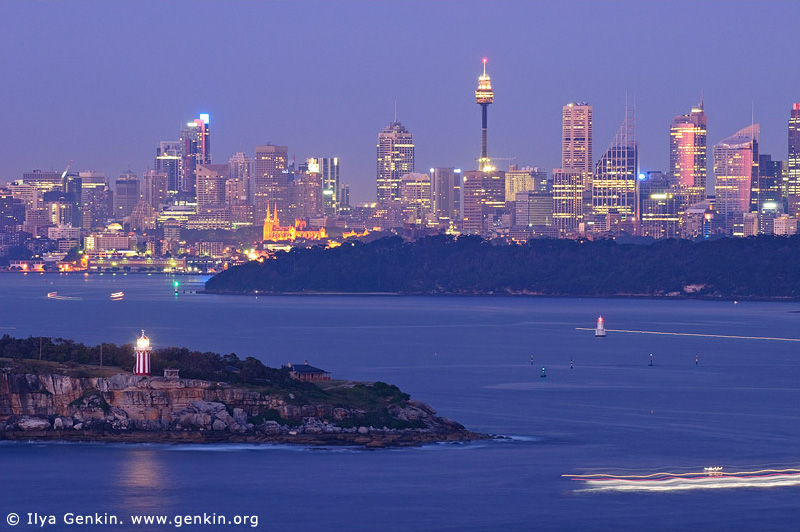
x=126 y=194
x=688 y=153
x=736 y=172
x=614 y=179
x=395 y=157
x=793 y=163
x=271 y=180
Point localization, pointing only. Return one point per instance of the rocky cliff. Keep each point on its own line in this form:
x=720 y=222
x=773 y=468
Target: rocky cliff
x=145 y=409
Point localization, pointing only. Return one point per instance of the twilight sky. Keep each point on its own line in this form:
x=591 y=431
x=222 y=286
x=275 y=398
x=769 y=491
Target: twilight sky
x=103 y=82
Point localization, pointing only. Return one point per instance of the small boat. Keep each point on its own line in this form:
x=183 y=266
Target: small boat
x=600 y=331
x=116 y=296
x=54 y=295
x=713 y=471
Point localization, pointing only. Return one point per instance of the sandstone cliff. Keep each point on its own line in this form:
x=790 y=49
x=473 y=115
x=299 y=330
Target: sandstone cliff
x=132 y=408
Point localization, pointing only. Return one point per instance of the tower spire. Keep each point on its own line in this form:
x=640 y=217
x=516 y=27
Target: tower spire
x=484 y=96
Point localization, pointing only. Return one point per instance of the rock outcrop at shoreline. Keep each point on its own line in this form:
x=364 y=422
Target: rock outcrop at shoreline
x=131 y=408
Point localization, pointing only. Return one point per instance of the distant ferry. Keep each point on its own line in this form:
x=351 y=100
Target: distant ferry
x=116 y=296
x=54 y=295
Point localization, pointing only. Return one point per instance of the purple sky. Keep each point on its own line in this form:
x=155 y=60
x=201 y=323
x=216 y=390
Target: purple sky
x=103 y=82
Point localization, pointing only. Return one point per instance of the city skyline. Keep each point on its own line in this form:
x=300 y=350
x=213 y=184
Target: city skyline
x=331 y=95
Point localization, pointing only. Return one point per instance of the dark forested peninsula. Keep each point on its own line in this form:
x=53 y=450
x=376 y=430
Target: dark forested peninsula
x=762 y=267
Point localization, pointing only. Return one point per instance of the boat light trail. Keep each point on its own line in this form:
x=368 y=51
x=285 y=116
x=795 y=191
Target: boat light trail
x=666 y=481
x=696 y=334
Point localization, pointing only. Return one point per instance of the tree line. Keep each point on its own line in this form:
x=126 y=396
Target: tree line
x=764 y=267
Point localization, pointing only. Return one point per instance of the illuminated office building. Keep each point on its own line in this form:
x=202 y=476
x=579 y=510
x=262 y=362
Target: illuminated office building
x=327 y=168
x=395 y=159
x=687 y=153
x=793 y=163
x=614 y=180
x=195 y=149
x=446 y=191
x=96 y=200
x=126 y=194
x=572 y=183
x=736 y=173
x=170 y=162
x=271 y=181
x=211 y=180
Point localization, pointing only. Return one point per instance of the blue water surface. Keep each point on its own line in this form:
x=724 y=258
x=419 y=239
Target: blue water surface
x=470 y=358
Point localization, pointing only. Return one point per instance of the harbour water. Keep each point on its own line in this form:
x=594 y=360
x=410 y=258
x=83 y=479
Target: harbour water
x=470 y=357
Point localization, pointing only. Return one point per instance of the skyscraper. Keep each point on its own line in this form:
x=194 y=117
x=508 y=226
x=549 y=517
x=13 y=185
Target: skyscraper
x=170 y=162
x=572 y=183
x=195 y=149
x=614 y=180
x=271 y=181
x=241 y=170
x=96 y=200
x=328 y=170
x=446 y=190
x=126 y=194
x=793 y=163
x=155 y=188
x=736 y=169
x=211 y=185
x=687 y=152
x=395 y=159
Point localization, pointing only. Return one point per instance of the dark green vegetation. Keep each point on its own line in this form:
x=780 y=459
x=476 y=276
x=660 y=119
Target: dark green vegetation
x=67 y=357
x=735 y=268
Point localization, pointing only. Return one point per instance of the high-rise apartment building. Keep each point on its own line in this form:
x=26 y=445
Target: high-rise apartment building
x=793 y=163
x=195 y=149
x=328 y=170
x=572 y=183
x=395 y=159
x=736 y=172
x=271 y=182
x=614 y=180
x=687 y=153
x=126 y=194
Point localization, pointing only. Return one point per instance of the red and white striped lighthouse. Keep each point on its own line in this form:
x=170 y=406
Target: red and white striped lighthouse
x=142 y=353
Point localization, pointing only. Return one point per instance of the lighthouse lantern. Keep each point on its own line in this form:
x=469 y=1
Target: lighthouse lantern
x=142 y=353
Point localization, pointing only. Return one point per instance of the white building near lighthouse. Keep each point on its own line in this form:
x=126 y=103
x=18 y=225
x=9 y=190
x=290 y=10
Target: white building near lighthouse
x=142 y=354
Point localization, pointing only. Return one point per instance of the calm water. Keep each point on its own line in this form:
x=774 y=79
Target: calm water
x=469 y=358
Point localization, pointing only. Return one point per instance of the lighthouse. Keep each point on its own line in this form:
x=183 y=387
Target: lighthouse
x=142 y=353
x=600 y=331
